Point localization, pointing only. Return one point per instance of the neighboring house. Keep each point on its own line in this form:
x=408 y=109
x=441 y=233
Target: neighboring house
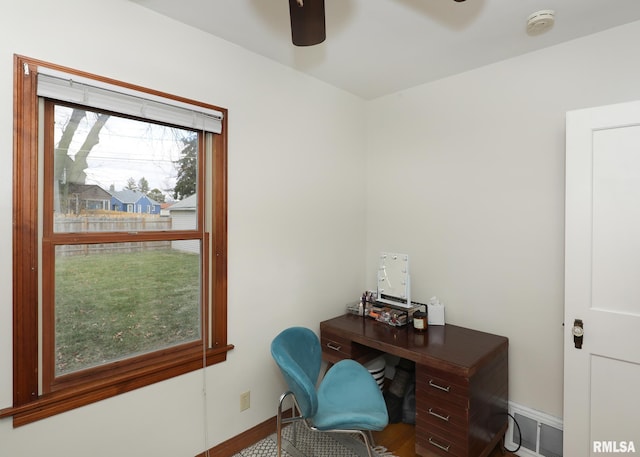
x=133 y=201
x=183 y=217
x=83 y=197
x=164 y=209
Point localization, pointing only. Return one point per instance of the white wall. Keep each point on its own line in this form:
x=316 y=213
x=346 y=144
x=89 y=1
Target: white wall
x=296 y=218
x=474 y=162
x=474 y=168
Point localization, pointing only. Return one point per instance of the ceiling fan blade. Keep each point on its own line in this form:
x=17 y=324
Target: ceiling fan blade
x=307 y=22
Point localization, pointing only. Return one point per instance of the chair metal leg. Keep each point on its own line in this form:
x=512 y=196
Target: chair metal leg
x=296 y=415
x=368 y=444
x=294 y=438
x=279 y=425
x=373 y=442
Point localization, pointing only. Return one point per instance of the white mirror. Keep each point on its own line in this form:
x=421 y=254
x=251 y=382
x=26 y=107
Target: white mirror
x=393 y=279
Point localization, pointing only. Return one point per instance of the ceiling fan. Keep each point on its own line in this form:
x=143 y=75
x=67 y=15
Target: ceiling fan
x=307 y=21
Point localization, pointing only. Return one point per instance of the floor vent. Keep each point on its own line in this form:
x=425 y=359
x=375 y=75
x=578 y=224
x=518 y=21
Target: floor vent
x=541 y=433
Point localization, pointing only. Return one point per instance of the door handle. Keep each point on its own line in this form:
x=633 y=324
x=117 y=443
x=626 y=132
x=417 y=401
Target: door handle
x=578 y=333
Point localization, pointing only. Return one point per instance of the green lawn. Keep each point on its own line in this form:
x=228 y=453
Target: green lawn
x=110 y=306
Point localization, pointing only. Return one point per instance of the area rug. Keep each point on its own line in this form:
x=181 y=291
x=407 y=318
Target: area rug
x=312 y=444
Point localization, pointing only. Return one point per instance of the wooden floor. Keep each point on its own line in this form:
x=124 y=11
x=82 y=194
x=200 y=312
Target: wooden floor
x=401 y=440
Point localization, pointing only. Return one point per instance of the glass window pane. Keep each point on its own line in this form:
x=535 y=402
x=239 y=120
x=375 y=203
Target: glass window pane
x=114 y=174
x=118 y=300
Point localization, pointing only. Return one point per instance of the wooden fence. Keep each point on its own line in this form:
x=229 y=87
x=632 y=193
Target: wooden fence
x=110 y=221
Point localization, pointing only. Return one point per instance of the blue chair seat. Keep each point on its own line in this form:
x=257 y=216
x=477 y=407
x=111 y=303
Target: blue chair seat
x=349 y=398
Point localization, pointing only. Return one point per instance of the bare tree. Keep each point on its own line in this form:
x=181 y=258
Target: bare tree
x=69 y=169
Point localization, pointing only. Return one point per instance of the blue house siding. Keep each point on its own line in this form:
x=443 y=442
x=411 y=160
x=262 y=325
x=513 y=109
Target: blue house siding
x=132 y=201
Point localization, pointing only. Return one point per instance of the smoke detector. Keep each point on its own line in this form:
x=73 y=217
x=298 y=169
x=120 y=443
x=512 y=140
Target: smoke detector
x=540 y=21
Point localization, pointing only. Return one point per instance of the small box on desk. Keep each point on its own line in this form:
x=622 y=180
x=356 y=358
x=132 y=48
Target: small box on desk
x=435 y=313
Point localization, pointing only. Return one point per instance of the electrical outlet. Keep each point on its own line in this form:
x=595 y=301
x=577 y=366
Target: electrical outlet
x=245 y=400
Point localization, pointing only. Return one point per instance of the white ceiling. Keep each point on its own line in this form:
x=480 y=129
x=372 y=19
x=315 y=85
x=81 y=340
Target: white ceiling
x=378 y=47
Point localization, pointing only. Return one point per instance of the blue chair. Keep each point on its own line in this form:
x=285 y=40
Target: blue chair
x=347 y=400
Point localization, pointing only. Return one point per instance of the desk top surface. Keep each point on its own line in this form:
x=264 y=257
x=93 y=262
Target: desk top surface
x=448 y=347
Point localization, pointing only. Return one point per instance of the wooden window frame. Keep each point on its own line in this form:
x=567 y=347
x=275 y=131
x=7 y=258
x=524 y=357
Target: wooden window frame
x=31 y=401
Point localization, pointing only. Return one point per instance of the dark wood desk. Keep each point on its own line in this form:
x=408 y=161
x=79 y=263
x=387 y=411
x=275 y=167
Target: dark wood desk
x=461 y=379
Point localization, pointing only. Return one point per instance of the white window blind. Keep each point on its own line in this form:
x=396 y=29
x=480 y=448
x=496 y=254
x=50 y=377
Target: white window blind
x=66 y=87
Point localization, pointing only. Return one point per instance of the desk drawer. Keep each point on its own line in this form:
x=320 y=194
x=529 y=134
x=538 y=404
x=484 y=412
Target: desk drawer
x=432 y=444
x=336 y=347
x=449 y=389
x=450 y=419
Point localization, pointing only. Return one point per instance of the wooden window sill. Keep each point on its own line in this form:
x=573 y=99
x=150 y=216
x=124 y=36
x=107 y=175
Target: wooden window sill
x=67 y=399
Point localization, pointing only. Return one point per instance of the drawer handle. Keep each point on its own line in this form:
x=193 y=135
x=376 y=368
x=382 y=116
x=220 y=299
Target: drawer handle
x=437 y=386
x=333 y=346
x=439 y=446
x=439 y=416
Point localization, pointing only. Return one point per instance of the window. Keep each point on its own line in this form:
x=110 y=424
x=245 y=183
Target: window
x=110 y=294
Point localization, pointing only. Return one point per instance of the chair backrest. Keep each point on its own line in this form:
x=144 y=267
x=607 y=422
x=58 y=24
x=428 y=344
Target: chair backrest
x=297 y=353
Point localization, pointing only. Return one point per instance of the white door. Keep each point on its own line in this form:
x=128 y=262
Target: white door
x=602 y=281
